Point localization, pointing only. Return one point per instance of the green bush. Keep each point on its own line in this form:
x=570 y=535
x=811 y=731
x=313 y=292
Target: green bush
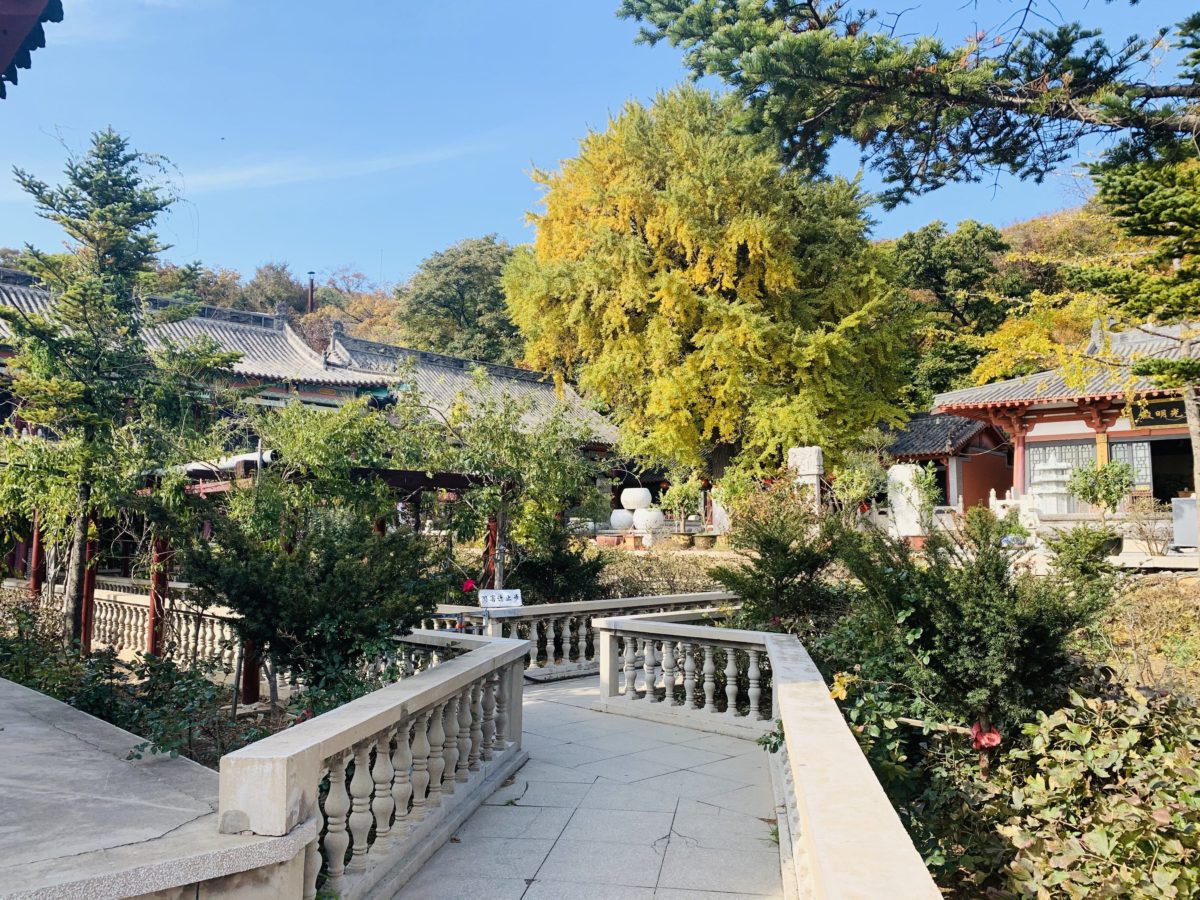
x=787 y=551
x=560 y=570
x=961 y=625
x=1102 y=486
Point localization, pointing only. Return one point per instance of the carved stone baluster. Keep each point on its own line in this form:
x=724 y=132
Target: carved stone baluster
x=437 y=756
x=464 y=736
x=689 y=676
x=450 y=743
x=551 y=637
x=476 y=725
x=488 y=727
x=581 y=626
x=312 y=868
x=650 y=670
x=382 y=773
x=420 y=763
x=337 y=804
x=731 y=685
x=631 y=667
x=402 y=761
x=668 y=662
x=754 y=674
x=710 y=678
x=361 y=787
x=500 y=742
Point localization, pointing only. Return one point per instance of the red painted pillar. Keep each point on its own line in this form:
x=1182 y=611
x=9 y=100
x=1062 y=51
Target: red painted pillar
x=89 y=597
x=37 y=558
x=158 y=596
x=251 y=678
x=20 y=567
x=1019 y=464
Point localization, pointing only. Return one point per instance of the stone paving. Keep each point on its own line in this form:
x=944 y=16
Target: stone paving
x=614 y=807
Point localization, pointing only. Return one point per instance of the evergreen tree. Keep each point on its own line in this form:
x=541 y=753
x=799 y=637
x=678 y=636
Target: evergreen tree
x=706 y=296
x=1016 y=96
x=113 y=411
x=454 y=304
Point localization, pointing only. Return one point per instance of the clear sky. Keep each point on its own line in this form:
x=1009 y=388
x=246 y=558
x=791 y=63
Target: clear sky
x=374 y=136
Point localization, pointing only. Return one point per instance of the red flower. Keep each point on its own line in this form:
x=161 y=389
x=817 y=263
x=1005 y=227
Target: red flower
x=468 y=585
x=981 y=739
x=776 y=621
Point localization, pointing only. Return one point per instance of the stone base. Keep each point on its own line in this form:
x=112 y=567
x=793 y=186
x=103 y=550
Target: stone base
x=540 y=674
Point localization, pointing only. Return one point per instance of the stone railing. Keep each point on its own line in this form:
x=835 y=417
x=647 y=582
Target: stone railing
x=563 y=641
x=122 y=621
x=660 y=667
x=389 y=775
x=833 y=812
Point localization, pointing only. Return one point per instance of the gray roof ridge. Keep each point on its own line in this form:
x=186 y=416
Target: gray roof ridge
x=438 y=359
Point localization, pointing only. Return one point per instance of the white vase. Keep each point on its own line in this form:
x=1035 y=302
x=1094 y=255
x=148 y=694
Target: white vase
x=648 y=519
x=635 y=498
x=621 y=520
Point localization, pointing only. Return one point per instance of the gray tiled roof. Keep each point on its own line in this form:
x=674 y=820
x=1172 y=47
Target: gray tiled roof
x=442 y=380
x=1052 y=386
x=928 y=435
x=269 y=348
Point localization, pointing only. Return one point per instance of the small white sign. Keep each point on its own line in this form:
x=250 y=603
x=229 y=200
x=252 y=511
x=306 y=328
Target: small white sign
x=499 y=599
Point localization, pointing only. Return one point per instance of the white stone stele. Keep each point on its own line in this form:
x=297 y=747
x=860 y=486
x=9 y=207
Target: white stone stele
x=635 y=498
x=904 y=510
x=621 y=520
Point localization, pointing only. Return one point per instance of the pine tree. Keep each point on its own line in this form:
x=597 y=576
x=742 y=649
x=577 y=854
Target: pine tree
x=112 y=410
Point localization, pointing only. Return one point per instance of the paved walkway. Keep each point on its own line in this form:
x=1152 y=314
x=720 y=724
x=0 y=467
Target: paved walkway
x=614 y=807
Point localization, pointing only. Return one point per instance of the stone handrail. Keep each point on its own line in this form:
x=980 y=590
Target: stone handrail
x=563 y=641
x=680 y=670
x=834 y=813
x=403 y=766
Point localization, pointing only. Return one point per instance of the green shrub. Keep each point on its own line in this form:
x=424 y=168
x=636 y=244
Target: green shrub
x=1102 y=486
x=787 y=550
x=561 y=569
x=962 y=626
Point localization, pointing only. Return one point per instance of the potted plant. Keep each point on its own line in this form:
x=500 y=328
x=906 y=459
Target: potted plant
x=1104 y=488
x=682 y=499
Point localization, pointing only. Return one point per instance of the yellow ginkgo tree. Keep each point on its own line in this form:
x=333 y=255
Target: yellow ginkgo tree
x=708 y=298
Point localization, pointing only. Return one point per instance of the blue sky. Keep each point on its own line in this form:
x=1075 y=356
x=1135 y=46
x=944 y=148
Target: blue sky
x=371 y=139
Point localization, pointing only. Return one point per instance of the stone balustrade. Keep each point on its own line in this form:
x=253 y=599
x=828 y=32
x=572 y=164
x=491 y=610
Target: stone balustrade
x=832 y=810
x=390 y=774
x=659 y=666
x=563 y=642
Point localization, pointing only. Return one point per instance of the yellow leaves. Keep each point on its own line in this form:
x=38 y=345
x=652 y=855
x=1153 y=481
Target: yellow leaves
x=1051 y=334
x=677 y=270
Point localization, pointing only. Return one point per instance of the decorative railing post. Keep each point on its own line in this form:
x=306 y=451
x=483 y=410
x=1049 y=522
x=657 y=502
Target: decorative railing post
x=437 y=759
x=383 y=803
x=337 y=805
x=420 y=758
x=450 y=744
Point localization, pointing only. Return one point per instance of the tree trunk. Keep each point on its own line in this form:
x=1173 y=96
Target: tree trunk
x=1191 y=406
x=501 y=542
x=77 y=565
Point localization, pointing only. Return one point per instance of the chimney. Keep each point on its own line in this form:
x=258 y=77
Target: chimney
x=312 y=304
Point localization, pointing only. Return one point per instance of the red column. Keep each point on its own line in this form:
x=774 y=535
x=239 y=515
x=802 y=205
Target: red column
x=251 y=678
x=37 y=558
x=88 y=614
x=158 y=596
x=1019 y=464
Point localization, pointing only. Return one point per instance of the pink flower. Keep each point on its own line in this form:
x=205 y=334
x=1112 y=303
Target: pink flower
x=776 y=621
x=981 y=739
x=468 y=585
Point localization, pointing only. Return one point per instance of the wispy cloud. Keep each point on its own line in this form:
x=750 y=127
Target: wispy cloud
x=275 y=173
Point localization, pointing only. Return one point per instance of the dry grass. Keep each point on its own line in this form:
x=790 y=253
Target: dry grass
x=1153 y=632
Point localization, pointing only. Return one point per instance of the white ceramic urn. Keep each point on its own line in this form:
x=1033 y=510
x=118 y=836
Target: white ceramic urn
x=648 y=519
x=621 y=520
x=635 y=498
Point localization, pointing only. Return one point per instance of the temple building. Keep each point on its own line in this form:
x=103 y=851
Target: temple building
x=1113 y=416
x=972 y=458
x=281 y=367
